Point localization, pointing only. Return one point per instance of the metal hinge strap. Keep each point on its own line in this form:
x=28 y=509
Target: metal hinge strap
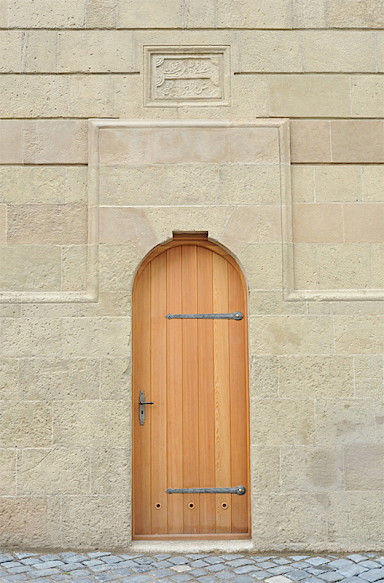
x=233 y=316
x=239 y=490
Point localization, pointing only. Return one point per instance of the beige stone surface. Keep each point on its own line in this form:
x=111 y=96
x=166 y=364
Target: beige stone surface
x=341 y=51
x=144 y=185
x=142 y=15
x=367 y=96
x=308 y=14
x=316 y=377
x=310 y=141
x=96 y=521
x=74 y=268
x=30 y=521
x=91 y=424
x=255 y=224
x=345 y=525
x=264 y=377
x=309 y=96
x=291 y=335
x=101 y=14
x=283 y=422
x=271 y=51
x=311 y=469
x=111 y=471
x=250 y=96
x=364 y=467
x=3 y=12
x=265 y=469
x=90 y=95
x=25 y=424
x=11 y=144
x=115 y=378
x=355 y=14
x=364 y=223
x=269 y=302
x=345 y=266
x=3 y=224
x=30 y=267
x=373 y=183
x=126 y=225
x=347 y=421
x=258 y=14
x=305 y=269
x=48 y=379
x=9 y=379
x=30 y=96
x=249 y=183
x=39 y=51
x=93 y=337
x=359 y=335
x=56 y=141
x=358 y=141
x=28 y=337
x=53 y=471
x=339 y=183
x=47 y=224
x=253 y=145
x=8 y=472
x=377 y=265
x=303 y=183
x=263 y=263
x=117 y=265
x=9 y=50
x=317 y=223
x=45 y=14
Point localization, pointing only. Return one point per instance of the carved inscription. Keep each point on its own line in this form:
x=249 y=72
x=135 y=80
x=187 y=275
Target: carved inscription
x=177 y=76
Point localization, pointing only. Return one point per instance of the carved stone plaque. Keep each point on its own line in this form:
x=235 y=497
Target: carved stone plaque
x=186 y=76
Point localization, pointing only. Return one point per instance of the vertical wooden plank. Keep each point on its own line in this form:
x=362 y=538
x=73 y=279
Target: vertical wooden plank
x=222 y=395
x=141 y=381
x=239 y=401
x=157 y=413
x=190 y=390
x=207 y=506
x=174 y=392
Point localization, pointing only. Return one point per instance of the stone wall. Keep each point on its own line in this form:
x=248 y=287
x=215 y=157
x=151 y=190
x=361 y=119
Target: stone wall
x=307 y=228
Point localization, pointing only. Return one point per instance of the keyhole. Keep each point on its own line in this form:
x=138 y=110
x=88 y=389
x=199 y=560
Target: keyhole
x=224 y=506
x=158 y=505
x=191 y=505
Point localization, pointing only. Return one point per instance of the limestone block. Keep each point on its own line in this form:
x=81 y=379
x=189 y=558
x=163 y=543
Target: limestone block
x=265 y=469
x=254 y=14
x=262 y=263
x=310 y=141
x=357 y=307
x=342 y=51
x=305 y=266
x=118 y=264
x=91 y=96
x=252 y=224
x=355 y=14
x=57 y=141
x=303 y=183
x=370 y=366
x=198 y=15
x=9 y=379
x=357 y=141
x=309 y=96
x=128 y=99
x=11 y=143
x=27 y=337
x=132 y=14
x=291 y=335
x=317 y=223
x=101 y=14
x=373 y=183
x=43 y=184
x=249 y=183
x=3 y=13
x=25 y=424
x=290 y=519
x=48 y=379
x=3 y=224
x=191 y=184
x=9 y=50
x=47 y=224
x=94 y=337
x=46 y=14
x=316 y=377
x=29 y=268
x=377 y=266
x=140 y=185
x=359 y=335
x=345 y=266
x=264 y=382
x=367 y=96
x=176 y=145
x=364 y=223
x=115 y=378
x=250 y=94
x=341 y=183
x=7 y=472
x=53 y=471
x=74 y=262
x=126 y=225
x=355 y=519
x=96 y=522
x=267 y=302
x=28 y=522
x=380 y=50
x=347 y=421
x=283 y=422
x=34 y=96
x=308 y=14
x=254 y=145
x=364 y=467
x=38 y=51
x=92 y=424
x=272 y=51
x=10 y=310
x=111 y=471
x=95 y=51
x=311 y=469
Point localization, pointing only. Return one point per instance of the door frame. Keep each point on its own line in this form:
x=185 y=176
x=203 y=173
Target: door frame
x=199 y=239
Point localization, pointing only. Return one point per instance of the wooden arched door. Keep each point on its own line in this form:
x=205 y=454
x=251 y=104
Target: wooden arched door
x=195 y=371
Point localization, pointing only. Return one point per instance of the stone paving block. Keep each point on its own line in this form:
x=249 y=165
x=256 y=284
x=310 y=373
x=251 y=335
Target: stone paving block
x=317 y=561
x=105 y=577
x=296 y=575
x=213 y=560
x=352 y=570
x=242 y=579
x=43 y=573
x=199 y=563
x=161 y=573
x=278 y=579
x=246 y=569
x=142 y=569
x=266 y=565
x=356 y=557
x=162 y=564
x=163 y=556
x=281 y=561
x=373 y=575
x=232 y=557
x=317 y=570
x=113 y=559
x=353 y=580
x=331 y=576
x=124 y=572
x=280 y=570
x=138 y=579
x=340 y=563
x=313 y=580
x=216 y=568
x=370 y=564
x=30 y=561
x=182 y=578
x=49 y=564
x=16 y=570
x=97 y=555
x=178 y=560
x=260 y=575
x=207 y=579
x=224 y=575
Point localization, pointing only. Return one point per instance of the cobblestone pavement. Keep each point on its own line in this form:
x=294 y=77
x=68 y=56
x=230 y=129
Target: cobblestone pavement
x=203 y=568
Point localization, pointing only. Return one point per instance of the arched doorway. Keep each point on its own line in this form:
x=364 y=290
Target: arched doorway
x=194 y=369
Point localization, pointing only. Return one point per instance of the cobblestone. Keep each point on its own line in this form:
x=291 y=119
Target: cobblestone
x=105 y=567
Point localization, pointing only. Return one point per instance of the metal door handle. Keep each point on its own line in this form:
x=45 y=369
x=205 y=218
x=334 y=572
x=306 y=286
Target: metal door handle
x=142 y=403
x=239 y=490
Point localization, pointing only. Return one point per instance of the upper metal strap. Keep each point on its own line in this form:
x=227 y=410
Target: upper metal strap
x=233 y=316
